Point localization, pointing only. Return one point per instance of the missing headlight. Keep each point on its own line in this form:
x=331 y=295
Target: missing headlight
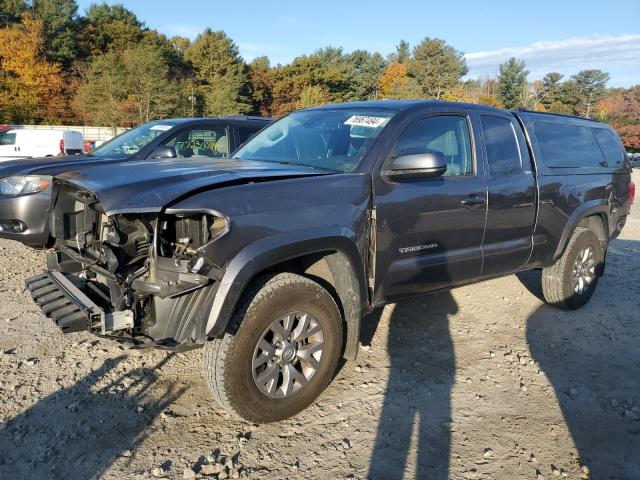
x=183 y=233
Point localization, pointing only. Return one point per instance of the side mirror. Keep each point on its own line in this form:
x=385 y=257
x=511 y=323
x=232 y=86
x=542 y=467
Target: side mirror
x=163 y=151
x=416 y=166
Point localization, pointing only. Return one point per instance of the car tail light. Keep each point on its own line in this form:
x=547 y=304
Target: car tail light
x=61 y=145
x=632 y=192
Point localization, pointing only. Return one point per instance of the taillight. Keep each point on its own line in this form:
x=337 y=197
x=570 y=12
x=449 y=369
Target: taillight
x=61 y=145
x=632 y=192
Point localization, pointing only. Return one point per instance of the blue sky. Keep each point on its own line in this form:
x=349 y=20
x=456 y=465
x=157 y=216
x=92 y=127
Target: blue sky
x=559 y=35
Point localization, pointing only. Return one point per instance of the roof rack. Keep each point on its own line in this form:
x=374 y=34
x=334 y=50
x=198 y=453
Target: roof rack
x=524 y=110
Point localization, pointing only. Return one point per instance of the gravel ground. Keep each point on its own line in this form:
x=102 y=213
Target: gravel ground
x=482 y=382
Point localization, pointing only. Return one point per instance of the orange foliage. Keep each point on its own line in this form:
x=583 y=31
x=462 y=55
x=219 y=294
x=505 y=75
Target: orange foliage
x=30 y=87
x=456 y=94
x=392 y=79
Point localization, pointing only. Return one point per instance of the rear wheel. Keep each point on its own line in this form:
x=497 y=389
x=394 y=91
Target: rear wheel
x=281 y=351
x=571 y=281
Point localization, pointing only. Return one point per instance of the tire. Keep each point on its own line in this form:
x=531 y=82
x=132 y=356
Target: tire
x=230 y=362
x=558 y=285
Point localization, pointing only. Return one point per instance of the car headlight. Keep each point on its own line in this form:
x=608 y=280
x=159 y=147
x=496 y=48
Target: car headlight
x=23 y=184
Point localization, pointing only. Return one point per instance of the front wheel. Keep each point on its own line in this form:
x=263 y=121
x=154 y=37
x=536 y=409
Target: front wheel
x=281 y=351
x=571 y=281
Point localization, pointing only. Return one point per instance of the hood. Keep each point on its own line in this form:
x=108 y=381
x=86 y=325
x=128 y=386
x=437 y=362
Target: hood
x=150 y=185
x=51 y=165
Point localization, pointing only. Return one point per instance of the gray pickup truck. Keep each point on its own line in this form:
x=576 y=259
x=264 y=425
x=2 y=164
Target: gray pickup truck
x=269 y=259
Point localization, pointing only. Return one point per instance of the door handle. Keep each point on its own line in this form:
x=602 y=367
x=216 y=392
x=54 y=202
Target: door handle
x=473 y=201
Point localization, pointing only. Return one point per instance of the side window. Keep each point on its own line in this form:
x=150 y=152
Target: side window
x=568 y=146
x=245 y=133
x=610 y=145
x=201 y=141
x=500 y=140
x=447 y=134
x=8 y=139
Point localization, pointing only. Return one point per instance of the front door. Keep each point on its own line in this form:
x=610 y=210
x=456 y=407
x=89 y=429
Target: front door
x=429 y=231
x=512 y=196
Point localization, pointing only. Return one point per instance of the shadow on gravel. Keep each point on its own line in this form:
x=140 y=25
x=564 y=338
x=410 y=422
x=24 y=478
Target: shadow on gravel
x=77 y=432
x=417 y=404
x=592 y=359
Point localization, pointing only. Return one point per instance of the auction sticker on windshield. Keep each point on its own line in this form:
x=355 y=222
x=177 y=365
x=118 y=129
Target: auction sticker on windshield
x=365 y=121
x=162 y=128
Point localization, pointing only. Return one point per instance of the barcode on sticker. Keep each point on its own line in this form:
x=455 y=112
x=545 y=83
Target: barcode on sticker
x=365 y=121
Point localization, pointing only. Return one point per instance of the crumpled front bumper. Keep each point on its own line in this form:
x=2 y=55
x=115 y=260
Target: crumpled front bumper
x=61 y=300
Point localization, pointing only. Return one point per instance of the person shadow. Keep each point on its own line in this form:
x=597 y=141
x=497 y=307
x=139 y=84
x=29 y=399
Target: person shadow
x=416 y=411
x=77 y=432
x=591 y=358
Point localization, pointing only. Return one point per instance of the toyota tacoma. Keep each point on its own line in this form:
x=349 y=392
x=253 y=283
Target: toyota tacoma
x=269 y=259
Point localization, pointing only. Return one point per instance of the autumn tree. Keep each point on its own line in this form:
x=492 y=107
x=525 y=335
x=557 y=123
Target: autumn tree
x=395 y=83
x=261 y=81
x=436 y=67
x=312 y=96
x=31 y=87
x=591 y=86
x=512 y=82
x=327 y=68
x=457 y=93
x=221 y=74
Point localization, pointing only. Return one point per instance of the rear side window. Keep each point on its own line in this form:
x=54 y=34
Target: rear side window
x=447 y=134
x=7 y=139
x=201 y=141
x=568 y=146
x=610 y=145
x=502 y=146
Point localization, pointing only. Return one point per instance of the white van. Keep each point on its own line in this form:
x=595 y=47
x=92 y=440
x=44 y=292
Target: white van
x=29 y=142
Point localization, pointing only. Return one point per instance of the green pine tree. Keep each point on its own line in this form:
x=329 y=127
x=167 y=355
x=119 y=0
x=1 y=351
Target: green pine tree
x=512 y=82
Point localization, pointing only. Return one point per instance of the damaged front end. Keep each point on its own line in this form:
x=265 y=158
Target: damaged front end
x=142 y=277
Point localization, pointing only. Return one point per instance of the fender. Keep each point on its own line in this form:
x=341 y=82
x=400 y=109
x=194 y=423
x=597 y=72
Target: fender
x=273 y=250
x=593 y=207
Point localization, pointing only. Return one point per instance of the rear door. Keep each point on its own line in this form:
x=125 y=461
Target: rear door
x=512 y=195
x=429 y=231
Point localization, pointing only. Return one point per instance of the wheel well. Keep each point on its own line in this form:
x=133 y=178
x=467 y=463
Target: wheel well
x=332 y=270
x=598 y=225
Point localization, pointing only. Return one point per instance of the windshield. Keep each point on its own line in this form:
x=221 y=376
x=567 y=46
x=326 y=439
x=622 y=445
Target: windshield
x=328 y=139
x=132 y=141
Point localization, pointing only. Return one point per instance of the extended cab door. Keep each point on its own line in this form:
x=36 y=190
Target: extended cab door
x=512 y=195
x=429 y=231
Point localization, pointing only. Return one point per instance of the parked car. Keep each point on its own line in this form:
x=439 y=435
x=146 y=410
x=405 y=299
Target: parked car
x=270 y=259
x=25 y=185
x=30 y=143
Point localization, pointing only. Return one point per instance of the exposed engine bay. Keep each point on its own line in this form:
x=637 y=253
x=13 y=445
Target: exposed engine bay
x=144 y=270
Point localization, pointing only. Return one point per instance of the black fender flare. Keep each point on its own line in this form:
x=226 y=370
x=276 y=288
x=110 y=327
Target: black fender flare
x=270 y=251
x=594 y=207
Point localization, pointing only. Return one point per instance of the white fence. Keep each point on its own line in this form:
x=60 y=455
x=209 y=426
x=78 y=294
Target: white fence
x=93 y=134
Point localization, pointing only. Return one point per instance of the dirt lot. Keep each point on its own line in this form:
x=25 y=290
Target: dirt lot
x=483 y=382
